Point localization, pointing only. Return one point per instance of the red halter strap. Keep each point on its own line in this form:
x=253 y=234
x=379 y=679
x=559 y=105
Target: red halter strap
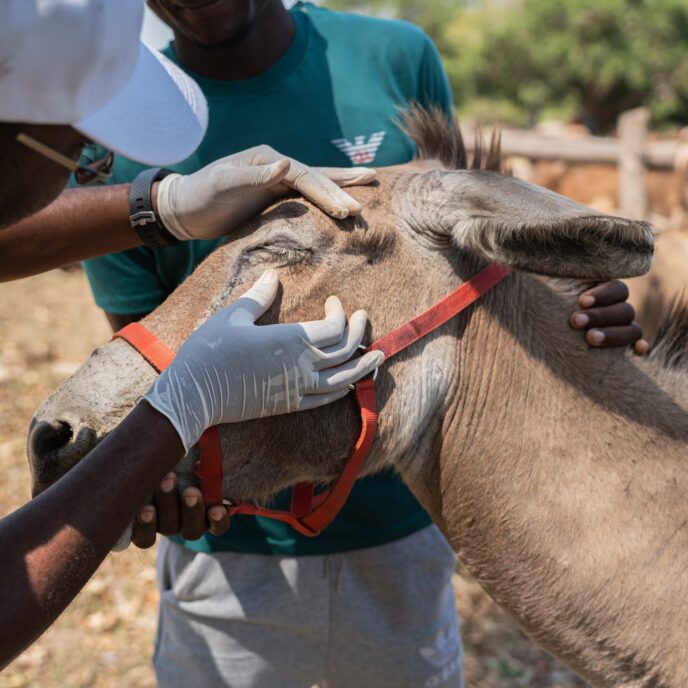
x=309 y=513
x=444 y=310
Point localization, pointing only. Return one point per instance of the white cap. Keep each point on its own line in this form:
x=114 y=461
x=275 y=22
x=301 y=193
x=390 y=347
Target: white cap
x=81 y=63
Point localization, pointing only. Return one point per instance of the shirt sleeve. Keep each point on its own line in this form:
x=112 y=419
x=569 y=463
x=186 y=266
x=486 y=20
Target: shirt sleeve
x=89 y=154
x=433 y=85
x=126 y=282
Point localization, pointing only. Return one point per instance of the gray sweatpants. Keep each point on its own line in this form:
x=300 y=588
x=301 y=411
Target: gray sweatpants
x=382 y=617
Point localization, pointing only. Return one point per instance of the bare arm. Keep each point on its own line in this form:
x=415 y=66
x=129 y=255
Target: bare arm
x=85 y=223
x=172 y=513
x=53 y=545
x=79 y=224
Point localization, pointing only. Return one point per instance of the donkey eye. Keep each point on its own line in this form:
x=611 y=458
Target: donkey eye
x=281 y=254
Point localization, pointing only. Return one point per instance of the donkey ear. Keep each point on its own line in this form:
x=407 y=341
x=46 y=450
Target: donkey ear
x=530 y=228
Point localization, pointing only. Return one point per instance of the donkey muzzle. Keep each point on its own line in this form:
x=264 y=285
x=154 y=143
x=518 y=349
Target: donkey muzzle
x=55 y=446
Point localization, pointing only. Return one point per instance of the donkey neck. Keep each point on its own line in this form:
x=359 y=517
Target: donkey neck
x=562 y=484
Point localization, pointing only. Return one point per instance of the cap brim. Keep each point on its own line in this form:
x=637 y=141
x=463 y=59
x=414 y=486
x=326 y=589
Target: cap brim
x=158 y=119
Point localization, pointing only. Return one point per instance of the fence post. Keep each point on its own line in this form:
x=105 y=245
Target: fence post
x=632 y=131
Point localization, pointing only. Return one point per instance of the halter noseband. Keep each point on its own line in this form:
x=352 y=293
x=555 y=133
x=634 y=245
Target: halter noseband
x=310 y=513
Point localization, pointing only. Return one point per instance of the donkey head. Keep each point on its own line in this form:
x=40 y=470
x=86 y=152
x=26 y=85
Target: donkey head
x=424 y=229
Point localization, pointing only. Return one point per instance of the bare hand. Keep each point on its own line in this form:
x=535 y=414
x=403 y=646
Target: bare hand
x=173 y=514
x=607 y=318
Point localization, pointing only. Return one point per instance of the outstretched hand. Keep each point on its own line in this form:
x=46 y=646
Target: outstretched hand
x=219 y=197
x=607 y=318
x=231 y=370
x=172 y=513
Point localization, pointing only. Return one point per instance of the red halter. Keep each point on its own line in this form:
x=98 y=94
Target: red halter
x=310 y=513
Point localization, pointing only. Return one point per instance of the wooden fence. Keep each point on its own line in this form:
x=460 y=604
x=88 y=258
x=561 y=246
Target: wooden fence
x=630 y=151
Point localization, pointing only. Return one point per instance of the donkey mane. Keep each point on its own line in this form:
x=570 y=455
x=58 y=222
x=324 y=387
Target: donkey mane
x=438 y=137
x=670 y=349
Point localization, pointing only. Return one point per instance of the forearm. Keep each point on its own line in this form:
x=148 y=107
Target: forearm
x=79 y=224
x=89 y=222
x=52 y=545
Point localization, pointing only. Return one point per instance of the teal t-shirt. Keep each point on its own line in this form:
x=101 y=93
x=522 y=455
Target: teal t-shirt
x=330 y=100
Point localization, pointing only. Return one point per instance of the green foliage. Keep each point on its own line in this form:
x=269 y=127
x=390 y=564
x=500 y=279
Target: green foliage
x=605 y=55
x=595 y=57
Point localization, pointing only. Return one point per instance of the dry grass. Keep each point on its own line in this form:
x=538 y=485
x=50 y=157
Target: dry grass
x=104 y=639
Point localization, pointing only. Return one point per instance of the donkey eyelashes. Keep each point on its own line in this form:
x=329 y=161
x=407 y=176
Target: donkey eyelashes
x=276 y=255
x=279 y=252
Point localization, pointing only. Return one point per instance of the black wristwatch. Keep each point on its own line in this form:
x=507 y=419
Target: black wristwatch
x=142 y=217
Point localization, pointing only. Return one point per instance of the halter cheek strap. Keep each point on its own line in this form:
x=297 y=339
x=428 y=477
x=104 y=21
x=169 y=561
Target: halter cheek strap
x=309 y=513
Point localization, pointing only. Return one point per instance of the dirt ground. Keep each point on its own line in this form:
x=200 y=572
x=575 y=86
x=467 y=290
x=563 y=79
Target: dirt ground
x=104 y=640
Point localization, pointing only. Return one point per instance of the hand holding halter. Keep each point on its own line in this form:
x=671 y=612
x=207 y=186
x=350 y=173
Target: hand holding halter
x=310 y=514
x=230 y=369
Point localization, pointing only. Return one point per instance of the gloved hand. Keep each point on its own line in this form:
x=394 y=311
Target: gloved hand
x=231 y=369
x=219 y=197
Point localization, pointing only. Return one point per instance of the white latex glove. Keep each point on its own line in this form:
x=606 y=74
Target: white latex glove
x=231 y=369
x=219 y=197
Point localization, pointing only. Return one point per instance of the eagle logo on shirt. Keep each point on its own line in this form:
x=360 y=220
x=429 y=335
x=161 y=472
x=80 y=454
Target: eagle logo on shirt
x=363 y=150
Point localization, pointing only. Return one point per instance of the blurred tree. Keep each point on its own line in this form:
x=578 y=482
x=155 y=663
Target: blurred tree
x=605 y=55
x=515 y=59
x=433 y=16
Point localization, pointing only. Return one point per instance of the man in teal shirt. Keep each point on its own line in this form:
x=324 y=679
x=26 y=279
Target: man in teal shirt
x=328 y=100
x=369 y=602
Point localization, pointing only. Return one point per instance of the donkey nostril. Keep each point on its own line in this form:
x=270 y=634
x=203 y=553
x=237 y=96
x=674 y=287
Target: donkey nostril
x=46 y=438
x=54 y=447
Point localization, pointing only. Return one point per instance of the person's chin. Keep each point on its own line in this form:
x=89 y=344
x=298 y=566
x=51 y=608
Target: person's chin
x=225 y=24
x=212 y=37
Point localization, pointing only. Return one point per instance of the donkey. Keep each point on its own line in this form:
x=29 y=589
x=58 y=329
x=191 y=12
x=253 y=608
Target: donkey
x=557 y=473
x=652 y=293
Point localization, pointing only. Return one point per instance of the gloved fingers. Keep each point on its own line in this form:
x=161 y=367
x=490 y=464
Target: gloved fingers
x=330 y=329
x=346 y=348
x=254 y=302
x=311 y=401
x=322 y=191
x=258 y=155
x=257 y=176
x=347 y=373
x=349 y=176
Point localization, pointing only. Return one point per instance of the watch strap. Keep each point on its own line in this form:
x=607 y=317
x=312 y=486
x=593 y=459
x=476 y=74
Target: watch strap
x=142 y=217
